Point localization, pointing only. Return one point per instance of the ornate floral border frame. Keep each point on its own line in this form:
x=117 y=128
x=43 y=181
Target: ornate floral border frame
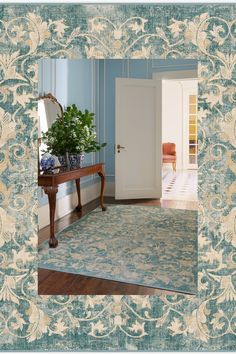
x=204 y=322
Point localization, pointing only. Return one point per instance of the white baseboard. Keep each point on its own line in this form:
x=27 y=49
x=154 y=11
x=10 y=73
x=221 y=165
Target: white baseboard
x=68 y=203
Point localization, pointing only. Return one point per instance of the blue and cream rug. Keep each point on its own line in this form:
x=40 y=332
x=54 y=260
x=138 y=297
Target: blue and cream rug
x=142 y=245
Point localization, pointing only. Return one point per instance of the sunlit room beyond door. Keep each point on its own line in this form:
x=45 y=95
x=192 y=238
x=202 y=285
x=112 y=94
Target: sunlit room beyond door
x=179 y=140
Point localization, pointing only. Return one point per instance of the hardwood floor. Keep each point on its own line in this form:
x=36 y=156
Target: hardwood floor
x=58 y=283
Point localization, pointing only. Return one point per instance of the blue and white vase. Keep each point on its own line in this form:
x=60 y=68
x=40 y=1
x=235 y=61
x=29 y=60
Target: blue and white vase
x=76 y=160
x=47 y=162
x=71 y=160
x=62 y=160
x=57 y=164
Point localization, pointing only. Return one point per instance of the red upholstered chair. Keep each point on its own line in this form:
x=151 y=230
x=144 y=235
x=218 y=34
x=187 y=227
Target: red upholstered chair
x=169 y=154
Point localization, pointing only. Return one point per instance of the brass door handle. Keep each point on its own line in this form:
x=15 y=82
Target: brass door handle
x=119 y=147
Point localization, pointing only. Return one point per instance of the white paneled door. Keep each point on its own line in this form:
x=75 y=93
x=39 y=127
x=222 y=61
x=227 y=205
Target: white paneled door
x=138 y=139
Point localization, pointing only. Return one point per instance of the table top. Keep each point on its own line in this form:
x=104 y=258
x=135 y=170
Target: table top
x=63 y=174
x=65 y=169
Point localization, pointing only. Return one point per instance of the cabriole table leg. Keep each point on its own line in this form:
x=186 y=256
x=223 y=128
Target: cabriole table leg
x=79 y=206
x=102 y=175
x=51 y=193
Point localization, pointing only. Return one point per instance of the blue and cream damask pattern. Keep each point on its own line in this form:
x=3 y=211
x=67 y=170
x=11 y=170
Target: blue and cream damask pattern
x=206 y=321
x=141 y=245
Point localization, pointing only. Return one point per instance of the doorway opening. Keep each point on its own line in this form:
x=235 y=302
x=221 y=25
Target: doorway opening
x=179 y=137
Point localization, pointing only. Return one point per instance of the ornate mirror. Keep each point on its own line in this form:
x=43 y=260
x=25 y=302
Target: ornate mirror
x=49 y=109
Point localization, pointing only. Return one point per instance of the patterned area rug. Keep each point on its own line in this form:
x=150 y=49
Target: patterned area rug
x=142 y=245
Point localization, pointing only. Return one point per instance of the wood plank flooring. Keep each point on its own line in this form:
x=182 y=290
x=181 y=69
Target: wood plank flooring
x=58 y=283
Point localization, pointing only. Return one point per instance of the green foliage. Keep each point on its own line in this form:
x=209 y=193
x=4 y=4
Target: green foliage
x=75 y=134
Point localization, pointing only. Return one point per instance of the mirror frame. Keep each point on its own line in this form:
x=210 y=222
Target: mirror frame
x=53 y=99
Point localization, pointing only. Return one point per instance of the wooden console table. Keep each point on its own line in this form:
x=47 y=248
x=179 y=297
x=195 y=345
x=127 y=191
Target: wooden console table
x=49 y=181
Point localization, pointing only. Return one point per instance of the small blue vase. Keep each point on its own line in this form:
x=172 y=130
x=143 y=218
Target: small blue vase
x=47 y=162
x=62 y=160
x=76 y=160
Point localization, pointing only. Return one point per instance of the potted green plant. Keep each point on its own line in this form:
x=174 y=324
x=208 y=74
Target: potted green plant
x=72 y=136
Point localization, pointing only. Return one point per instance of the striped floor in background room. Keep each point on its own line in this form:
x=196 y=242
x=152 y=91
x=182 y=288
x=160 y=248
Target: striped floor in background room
x=179 y=185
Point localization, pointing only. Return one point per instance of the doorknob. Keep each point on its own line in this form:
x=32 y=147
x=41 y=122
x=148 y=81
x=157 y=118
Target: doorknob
x=119 y=147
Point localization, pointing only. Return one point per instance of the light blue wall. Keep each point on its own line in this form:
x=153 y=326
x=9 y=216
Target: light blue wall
x=81 y=91
x=80 y=83
x=53 y=78
x=90 y=84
